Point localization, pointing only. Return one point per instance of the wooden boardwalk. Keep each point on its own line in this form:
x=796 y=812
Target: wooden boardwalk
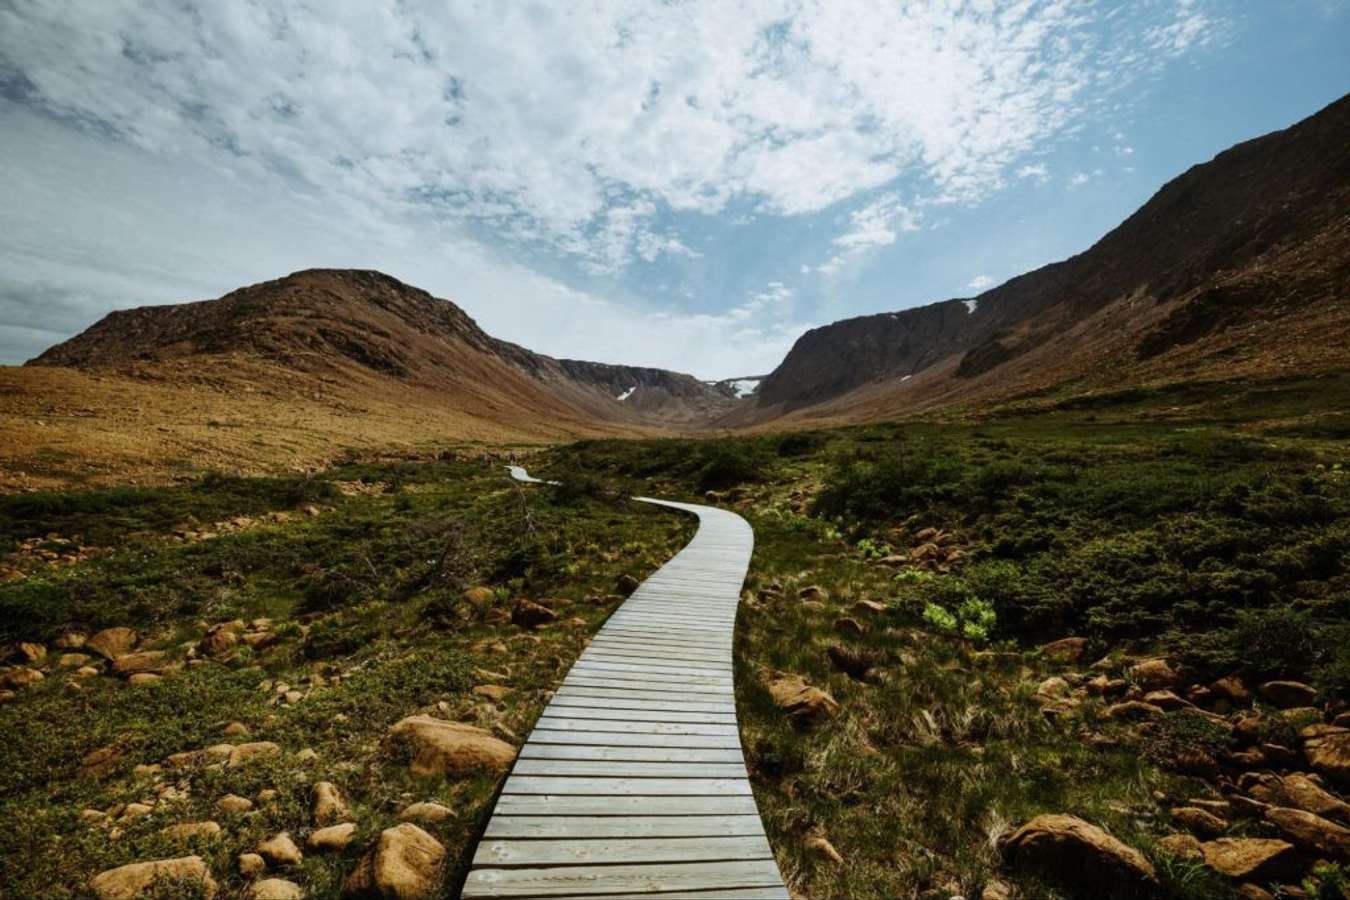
x=633 y=782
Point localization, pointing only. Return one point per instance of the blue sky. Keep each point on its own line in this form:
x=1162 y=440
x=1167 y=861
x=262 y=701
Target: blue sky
x=684 y=185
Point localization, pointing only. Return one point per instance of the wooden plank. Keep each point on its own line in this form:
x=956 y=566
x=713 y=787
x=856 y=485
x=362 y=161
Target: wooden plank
x=566 y=806
x=533 y=750
x=531 y=827
x=610 y=851
x=646 y=787
x=557 y=711
x=563 y=723
x=623 y=879
x=603 y=767
x=613 y=701
x=621 y=739
x=678 y=689
x=617 y=696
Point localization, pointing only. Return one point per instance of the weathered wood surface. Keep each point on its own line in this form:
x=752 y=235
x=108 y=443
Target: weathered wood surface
x=633 y=782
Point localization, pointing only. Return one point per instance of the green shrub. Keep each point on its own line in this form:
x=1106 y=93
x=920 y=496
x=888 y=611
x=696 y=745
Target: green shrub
x=729 y=463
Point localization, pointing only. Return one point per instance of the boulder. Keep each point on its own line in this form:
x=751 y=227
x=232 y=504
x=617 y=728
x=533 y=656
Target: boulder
x=150 y=879
x=111 y=643
x=494 y=692
x=187 y=831
x=274 y=889
x=1301 y=792
x=235 y=729
x=327 y=805
x=442 y=747
x=29 y=652
x=1065 y=650
x=1079 y=855
x=233 y=804
x=869 y=607
x=1166 y=701
x=803 y=703
x=852 y=662
x=1252 y=859
x=813 y=592
x=242 y=753
x=426 y=811
x=251 y=865
x=218 y=642
x=848 y=625
x=333 y=839
x=71 y=640
x=143 y=678
x=1232 y=689
x=480 y=598
x=1154 y=674
x=1133 y=710
x=528 y=614
x=1288 y=694
x=279 y=850
x=154 y=661
x=821 y=846
x=19 y=677
x=404 y=864
x=1313 y=834
x=1329 y=755
x=1200 y=821
x=625 y=584
x=99 y=762
x=1182 y=846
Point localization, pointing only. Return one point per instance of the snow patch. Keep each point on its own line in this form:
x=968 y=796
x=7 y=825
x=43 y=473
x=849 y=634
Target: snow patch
x=907 y=378
x=744 y=387
x=626 y=394
x=970 y=305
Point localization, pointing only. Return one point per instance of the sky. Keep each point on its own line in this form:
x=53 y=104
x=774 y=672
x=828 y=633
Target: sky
x=688 y=185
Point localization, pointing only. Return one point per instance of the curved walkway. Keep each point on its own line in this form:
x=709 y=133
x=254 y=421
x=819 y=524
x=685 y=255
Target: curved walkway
x=633 y=782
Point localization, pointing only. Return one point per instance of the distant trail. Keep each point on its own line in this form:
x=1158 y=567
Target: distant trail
x=633 y=781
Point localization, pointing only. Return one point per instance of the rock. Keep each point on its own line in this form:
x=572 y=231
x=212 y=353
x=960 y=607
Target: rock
x=235 y=729
x=528 y=614
x=233 y=804
x=869 y=608
x=1133 y=710
x=29 y=652
x=1079 y=855
x=73 y=660
x=442 y=747
x=853 y=663
x=1065 y=650
x=1254 y=859
x=186 y=831
x=332 y=839
x=306 y=755
x=71 y=640
x=1311 y=833
x=803 y=703
x=97 y=763
x=1232 y=689
x=149 y=879
x=494 y=692
x=133 y=811
x=820 y=845
x=86 y=672
x=218 y=642
x=1182 y=846
x=625 y=585
x=1288 y=694
x=274 y=889
x=242 y=753
x=813 y=592
x=111 y=643
x=1301 y=792
x=327 y=805
x=848 y=625
x=1166 y=701
x=996 y=890
x=1105 y=686
x=259 y=640
x=1329 y=755
x=251 y=864
x=19 y=677
x=145 y=661
x=426 y=811
x=144 y=678
x=1154 y=674
x=1198 y=820
x=280 y=850
x=403 y=865
x=480 y=598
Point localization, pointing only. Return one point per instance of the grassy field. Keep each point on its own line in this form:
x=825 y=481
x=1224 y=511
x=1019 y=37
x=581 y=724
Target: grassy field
x=1168 y=521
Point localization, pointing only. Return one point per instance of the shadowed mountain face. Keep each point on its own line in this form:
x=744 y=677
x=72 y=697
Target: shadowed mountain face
x=1210 y=265
x=343 y=322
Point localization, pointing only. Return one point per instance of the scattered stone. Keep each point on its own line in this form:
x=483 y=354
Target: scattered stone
x=869 y=607
x=186 y=831
x=996 y=890
x=803 y=703
x=1166 y=701
x=29 y=652
x=251 y=864
x=235 y=729
x=218 y=642
x=1254 y=859
x=242 y=753
x=1288 y=694
x=144 y=661
x=19 y=677
x=1302 y=792
x=1198 y=820
x=1133 y=710
x=86 y=672
x=813 y=592
x=71 y=640
x=134 y=811
x=1154 y=674
x=1182 y=846
x=1232 y=688
x=821 y=846
x=1313 y=834
x=274 y=889
x=144 y=678
x=1330 y=756
x=426 y=811
x=233 y=804
x=852 y=662
x=327 y=805
x=528 y=614
x=306 y=755
x=280 y=850
x=1105 y=686
x=149 y=879
x=73 y=660
x=1080 y=855
x=442 y=747
x=848 y=625
x=97 y=763
x=1065 y=650
x=494 y=692
x=111 y=643
x=333 y=839
x=480 y=598
x=403 y=864
x=625 y=585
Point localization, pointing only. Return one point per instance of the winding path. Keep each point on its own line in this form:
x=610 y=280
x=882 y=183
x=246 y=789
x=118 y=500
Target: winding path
x=633 y=782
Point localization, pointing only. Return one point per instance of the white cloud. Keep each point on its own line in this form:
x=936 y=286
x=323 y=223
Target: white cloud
x=1078 y=179
x=1037 y=171
x=875 y=225
x=980 y=283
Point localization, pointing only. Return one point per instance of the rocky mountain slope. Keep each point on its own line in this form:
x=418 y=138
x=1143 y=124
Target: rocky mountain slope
x=1240 y=265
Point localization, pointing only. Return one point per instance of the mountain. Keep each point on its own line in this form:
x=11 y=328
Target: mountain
x=366 y=327
x=1239 y=265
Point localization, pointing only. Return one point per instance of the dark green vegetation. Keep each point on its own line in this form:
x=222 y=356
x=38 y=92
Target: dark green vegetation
x=366 y=602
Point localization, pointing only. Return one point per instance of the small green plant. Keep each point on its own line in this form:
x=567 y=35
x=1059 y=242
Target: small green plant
x=977 y=619
x=870 y=549
x=940 y=618
x=1328 y=881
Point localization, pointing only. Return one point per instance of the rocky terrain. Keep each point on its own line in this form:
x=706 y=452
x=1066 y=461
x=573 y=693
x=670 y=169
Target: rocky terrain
x=1237 y=267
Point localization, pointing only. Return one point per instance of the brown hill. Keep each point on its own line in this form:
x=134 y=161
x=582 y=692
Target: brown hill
x=1239 y=266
